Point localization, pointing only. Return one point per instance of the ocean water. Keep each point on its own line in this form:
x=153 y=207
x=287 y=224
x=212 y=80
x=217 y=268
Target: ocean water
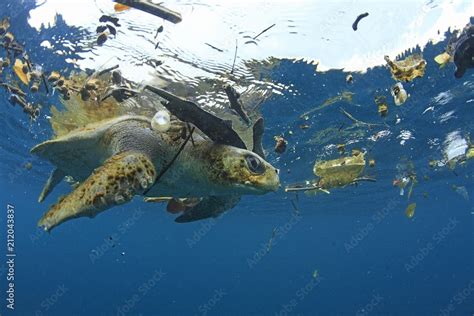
x=351 y=252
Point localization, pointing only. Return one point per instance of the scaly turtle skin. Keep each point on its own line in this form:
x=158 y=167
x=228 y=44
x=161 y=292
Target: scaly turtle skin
x=407 y=69
x=119 y=158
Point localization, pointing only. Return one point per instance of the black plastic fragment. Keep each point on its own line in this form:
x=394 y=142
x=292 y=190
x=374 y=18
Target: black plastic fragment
x=357 y=20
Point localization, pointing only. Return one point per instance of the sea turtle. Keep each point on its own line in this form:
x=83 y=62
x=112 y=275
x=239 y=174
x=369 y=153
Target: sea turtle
x=200 y=155
x=335 y=173
x=407 y=69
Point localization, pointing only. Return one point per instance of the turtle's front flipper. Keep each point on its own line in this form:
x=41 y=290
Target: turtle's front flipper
x=120 y=178
x=54 y=178
x=211 y=206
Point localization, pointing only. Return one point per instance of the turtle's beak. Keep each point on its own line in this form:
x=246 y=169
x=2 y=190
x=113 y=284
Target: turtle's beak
x=277 y=172
x=271 y=180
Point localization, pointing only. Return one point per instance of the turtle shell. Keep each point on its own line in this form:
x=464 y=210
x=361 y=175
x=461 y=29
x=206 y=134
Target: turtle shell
x=407 y=69
x=82 y=150
x=339 y=172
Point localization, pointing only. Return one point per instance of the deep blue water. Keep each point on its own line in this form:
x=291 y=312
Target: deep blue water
x=370 y=258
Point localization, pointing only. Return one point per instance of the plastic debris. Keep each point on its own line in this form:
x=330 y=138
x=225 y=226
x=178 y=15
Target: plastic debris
x=102 y=38
x=256 y=36
x=443 y=59
x=401 y=183
x=154 y=9
x=18 y=68
x=461 y=190
x=344 y=96
x=349 y=78
x=407 y=69
x=382 y=106
x=107 y=18
x=357 y=20
x=280 y=146
x=4 y=25
x=270 y=241
x=235 y=103
x=335 y=173
x=410 y=210
x=118 y=7
x=399 y=94
x=161 y=122
x=372 y=163
x=341 y=148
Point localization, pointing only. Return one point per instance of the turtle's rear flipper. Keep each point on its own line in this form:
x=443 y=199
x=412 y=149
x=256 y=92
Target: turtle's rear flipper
x=120 y=178
x=54 y=178
x=211 y=206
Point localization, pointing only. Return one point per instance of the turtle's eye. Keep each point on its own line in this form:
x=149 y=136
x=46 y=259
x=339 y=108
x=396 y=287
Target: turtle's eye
x=254 y=164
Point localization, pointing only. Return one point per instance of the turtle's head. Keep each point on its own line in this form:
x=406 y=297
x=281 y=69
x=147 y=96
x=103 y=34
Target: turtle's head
x=242 y=171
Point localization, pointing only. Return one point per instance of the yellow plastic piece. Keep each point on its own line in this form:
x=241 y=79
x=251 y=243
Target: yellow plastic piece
x=339 y=172
x=410 y=211
x=442 y=59
x=18 y=68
